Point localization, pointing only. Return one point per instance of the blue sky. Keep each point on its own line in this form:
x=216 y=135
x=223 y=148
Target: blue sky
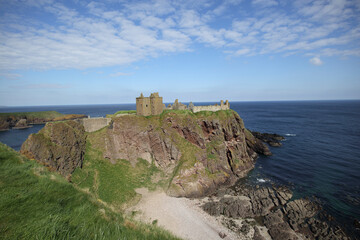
x=97 y=52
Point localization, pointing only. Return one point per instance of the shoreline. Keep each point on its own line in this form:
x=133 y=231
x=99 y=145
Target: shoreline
x=181 y=216
x=238 y=212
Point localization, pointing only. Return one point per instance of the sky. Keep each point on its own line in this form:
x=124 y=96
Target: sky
x=110 y=51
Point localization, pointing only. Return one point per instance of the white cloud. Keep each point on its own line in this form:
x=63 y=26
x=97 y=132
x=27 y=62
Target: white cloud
x=316 y=61
x=242 y=51
x=116 y=33
x=118 y=74
x=265 y=3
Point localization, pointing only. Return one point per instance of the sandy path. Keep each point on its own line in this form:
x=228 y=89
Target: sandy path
x=180 y=216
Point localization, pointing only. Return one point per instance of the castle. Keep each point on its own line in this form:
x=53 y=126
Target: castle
x=153 y=105
x=146 y=106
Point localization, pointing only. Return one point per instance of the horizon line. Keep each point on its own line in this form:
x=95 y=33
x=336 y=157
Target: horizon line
x=235 y=101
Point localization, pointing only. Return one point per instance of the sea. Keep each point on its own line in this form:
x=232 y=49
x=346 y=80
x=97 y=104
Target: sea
x=319 y=158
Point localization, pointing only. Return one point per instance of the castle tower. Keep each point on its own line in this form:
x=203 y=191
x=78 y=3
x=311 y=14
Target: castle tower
x=143 y=106
x=156 y=103
x=146 y=106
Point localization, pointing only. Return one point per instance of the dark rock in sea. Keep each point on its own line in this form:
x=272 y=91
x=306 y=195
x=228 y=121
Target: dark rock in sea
x=59 y=146
x=283 y=217
x=270 y=138
x=255 y=145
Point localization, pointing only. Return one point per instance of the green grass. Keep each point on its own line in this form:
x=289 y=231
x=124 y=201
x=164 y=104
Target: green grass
x=32 y=115
x=121 y=112
x=38 y=204
x=114 y=184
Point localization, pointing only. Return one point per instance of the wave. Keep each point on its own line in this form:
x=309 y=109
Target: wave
x=290 y=134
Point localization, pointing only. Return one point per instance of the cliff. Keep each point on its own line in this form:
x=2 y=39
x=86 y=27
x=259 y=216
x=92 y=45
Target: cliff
x=23 y=119
x=59 y=146
x=197 y=152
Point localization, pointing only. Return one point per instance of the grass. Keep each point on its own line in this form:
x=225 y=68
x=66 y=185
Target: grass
x=38 y=204
x=32 y=115
x=114 y=184
x=121 y=112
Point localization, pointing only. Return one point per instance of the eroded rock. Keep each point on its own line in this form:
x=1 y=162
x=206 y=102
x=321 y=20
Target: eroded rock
x=59 y=146
x=284 y=218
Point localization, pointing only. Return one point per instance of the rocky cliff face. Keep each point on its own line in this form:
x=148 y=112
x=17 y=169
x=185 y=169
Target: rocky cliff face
x=198 y=152
x=59 y=146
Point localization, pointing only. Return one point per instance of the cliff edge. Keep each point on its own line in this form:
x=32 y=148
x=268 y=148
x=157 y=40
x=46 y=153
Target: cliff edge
x=197 y=151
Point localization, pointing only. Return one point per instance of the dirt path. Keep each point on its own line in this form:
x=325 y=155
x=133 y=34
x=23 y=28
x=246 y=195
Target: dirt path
x=181 y=216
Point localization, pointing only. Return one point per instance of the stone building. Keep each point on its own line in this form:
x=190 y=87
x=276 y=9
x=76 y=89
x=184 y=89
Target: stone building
x=213 y=108
x=146 y=106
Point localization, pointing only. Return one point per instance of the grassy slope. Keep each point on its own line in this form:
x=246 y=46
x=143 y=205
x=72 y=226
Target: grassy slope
x=113 y=184
x=37 y=204
x=121 y=112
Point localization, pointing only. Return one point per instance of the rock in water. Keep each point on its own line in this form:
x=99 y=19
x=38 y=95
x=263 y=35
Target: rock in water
x=256 y=145
x=270 y=138
x=59 y=146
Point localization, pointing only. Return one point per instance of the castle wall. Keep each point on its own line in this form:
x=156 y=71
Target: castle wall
x=212 y=108
x=94 y=124
x=143 y=106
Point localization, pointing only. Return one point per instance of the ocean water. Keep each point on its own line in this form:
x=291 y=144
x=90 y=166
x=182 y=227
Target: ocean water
x=319 y=157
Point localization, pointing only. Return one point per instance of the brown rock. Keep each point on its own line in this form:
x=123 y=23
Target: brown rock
x=22 y=123
x=59 y=146
x=205 y=151
x=4 y=125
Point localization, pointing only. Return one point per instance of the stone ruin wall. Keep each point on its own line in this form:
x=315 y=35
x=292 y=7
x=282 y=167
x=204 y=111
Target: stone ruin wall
x=94 y=124
x=212 y=108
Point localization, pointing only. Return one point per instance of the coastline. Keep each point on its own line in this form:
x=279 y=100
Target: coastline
x=182 y=216
x=238 y=212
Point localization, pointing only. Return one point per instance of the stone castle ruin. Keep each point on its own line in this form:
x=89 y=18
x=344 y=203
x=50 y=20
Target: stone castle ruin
x=146 y=106
x=153 y=105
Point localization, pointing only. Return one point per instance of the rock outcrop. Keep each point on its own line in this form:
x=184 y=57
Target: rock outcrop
x=59 y=146
x=22 y=123
x=255 y=145
x=273 y=208
x=198 y=152
x=270 y=138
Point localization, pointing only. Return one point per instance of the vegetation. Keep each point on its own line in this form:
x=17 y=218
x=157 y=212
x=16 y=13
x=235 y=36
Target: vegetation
x=114 y=183
x=32 y=115
x=38 y=204
x=121 y=112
